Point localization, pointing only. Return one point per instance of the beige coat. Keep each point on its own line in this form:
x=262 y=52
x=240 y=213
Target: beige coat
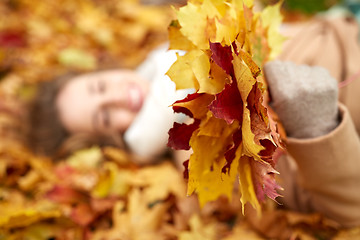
x=323 y=174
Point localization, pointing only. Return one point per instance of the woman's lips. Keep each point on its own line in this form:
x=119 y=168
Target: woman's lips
x=136 y=97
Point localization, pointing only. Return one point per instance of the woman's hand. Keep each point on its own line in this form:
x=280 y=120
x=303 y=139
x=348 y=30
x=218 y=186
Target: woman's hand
x=304 y=97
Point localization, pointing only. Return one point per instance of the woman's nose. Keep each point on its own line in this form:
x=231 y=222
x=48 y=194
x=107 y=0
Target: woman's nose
x=115 y=100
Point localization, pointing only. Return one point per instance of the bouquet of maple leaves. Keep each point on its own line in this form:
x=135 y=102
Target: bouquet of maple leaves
x=233 y=135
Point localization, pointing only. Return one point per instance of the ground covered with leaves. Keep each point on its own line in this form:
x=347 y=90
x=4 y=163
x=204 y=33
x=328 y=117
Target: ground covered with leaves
x=99 y=193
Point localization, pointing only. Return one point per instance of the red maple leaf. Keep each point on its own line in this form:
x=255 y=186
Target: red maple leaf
x=222 y=56
x=228 y=104
x=180 y=134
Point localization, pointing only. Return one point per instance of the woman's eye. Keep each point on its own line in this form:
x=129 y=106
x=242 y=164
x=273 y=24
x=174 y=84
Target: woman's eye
x=101 y=86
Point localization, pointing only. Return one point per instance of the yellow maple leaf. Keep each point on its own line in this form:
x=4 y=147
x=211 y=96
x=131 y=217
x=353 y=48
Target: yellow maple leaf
x=181 y=72
x=271 y=19
x=244 y=78
x=229 y=26
x=246 y=184
x=193 y=24
x=176 y=39
x=207 y=160
x=250 y=147
x=201 y=68
x=210 y=186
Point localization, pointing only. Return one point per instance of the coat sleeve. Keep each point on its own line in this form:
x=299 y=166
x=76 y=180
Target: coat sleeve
x=325 y=176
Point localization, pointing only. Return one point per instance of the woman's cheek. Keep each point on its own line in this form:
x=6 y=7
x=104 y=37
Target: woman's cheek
x=122 y=119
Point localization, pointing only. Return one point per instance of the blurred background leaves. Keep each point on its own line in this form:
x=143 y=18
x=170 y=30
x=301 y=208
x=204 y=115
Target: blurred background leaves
x=45 y=38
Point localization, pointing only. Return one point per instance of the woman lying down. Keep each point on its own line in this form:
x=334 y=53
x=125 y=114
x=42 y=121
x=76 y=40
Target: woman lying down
x=130 y=109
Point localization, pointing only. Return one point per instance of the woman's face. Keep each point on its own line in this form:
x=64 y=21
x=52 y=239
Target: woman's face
x=103 y=102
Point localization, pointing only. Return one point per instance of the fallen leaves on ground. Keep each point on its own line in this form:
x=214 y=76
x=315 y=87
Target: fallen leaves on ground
x=40 y=40
x=108 y=199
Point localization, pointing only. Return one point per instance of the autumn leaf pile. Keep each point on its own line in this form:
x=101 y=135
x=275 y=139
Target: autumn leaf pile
x=233 y=136
x=94 y=194
x=99 y=193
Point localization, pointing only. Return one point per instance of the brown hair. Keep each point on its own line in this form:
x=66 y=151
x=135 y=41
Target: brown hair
x=47 y=136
